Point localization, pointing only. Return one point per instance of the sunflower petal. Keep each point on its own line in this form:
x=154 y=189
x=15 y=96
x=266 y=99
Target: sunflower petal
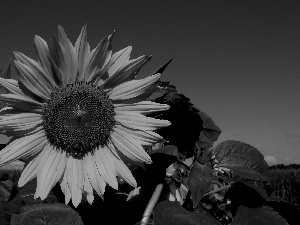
x=118 y=59
x=28 y=76
x=132 y=88
x=94 y=178
x=88 y=190
x=26 y=146
x=60 y=60
x=20 y=118
x=129 y=147
x=51 y=172
x=138 y=121
x=69 y=52
x=144 y=137
x=114 y=63
x=105 y=167
x=41 y=73
x=143 y=107
x=46 y=153
x=75 y=179
x=11 y=85
x=123 y=171
x=82 y=50
x=30 y=171
x=45 y=59
x=98 y=58
x=127 y=72
x=20 y=102
x=66 y=189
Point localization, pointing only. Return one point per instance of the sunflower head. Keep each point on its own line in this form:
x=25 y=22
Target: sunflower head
x=77 y=113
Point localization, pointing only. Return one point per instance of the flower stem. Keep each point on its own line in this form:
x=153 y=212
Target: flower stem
x=151 y=204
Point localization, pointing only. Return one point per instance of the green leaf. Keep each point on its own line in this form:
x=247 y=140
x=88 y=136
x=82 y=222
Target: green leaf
x=210 y=131
x=284 y=208
x=171 y=213
x=13 y=206
x=255 y=184
x=199 y=180
x=54 y=214
x=4 y=217
x=242 y=159
x=261 y=216
x=5 y=190
x=167 y=149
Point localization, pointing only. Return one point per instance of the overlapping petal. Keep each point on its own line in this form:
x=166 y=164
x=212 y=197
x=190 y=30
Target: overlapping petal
x=21 y=102
x=11 y=85
x=22 y=147
x=140 y=122
x=97 y=59
x=74 y=179
x=129 y=147
x=92 y=175
x=127 y=71
x=143 y=107
x=40 y=73
x=143 y=137
x=51 y=172
x=131 y=89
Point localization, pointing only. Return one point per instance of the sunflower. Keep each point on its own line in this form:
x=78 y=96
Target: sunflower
x=78 y=116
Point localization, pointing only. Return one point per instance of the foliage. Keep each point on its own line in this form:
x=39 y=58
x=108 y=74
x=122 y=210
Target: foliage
x=202 y=184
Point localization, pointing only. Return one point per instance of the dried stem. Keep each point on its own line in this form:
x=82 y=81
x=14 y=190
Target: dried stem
x=151 y=204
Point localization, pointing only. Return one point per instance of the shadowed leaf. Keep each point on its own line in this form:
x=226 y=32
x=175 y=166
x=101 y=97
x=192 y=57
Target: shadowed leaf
x=168 y=150
x=13 y=206
x=5 y=190
x=199 y=180
x=171 y=213
x=262 y=216
x=242 y=159
x=188 y=123
x=54 y=214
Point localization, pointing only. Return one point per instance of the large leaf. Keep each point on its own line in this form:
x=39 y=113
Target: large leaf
x=167 y=149
x=285 y=209
x=200 y=178
x=13 y=206
x=54 y=214
x=188 y=123
x=261 y=216
x=242 y=159
x=257 y=185
x=210 y=132
x=5 y=189
x=171 y=213
x=4 y=218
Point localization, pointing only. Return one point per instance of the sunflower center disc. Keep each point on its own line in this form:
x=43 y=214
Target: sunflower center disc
x=78 y=118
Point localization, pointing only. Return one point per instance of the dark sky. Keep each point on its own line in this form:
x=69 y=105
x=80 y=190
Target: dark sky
x=238 y=61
